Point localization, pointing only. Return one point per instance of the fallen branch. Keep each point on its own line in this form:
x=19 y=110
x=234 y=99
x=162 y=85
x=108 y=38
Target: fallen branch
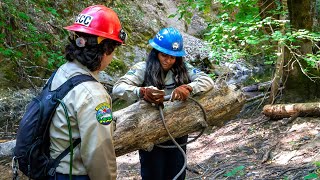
x=279 y=111
x=257 y=87
x=262 y=95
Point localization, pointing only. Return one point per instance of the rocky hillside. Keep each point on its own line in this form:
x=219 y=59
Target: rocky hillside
x=33 y=39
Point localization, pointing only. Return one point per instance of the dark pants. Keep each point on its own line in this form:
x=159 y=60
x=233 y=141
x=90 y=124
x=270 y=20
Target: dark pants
x=163 y=163
x=59 y=176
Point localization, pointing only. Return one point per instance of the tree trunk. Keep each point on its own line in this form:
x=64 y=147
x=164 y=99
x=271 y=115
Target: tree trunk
x=139 y=126
x=299 y=87
x=278 y=74
x=279 y=111
x=267 y=8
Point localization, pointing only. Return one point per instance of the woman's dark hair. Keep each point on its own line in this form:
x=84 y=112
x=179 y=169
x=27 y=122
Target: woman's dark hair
x=155 y=75
x=91 y=54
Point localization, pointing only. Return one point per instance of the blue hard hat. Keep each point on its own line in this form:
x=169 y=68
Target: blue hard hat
x=168 y=41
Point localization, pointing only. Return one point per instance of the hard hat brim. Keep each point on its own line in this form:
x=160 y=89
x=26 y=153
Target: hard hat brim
x=166 y=51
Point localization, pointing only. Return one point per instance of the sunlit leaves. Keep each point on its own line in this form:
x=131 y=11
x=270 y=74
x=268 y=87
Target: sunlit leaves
x=311 y=176
x=238 y=32
x=53 y=11
x=23 y=16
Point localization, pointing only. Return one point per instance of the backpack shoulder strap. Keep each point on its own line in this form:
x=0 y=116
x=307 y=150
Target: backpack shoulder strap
x=71 y=83
x=48 y=83
x=61 y=92
x=56 y=161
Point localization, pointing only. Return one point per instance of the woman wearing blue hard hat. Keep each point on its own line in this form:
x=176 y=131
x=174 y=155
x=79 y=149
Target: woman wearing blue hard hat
x=163 y=73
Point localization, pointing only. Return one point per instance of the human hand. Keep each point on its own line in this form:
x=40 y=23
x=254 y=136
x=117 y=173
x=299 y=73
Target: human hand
x=152 y=95
x=181 y=93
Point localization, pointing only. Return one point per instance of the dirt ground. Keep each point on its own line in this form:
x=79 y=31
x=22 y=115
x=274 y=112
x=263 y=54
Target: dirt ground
x=251 y=148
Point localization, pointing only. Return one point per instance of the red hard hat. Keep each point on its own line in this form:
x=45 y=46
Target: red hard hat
x=100 y=21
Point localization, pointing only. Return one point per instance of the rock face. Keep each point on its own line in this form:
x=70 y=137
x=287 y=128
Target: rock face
x=6 y=149
x=146 y=17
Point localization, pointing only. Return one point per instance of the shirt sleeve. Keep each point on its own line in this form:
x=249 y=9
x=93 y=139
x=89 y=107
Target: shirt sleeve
x=128 y=86
x=94 y=118
x=200 y=81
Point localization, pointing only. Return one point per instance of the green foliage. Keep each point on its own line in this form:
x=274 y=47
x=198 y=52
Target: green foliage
x=237 y=171
x=316 y=174
x=7 y=52
x=23 y=16
x=212 y=76
x=311 y=176
x=317 y=163
x=117 y=66
x=55 y=59
x=186 y=8
x=237 y=31
x=32 y=38
x=53 y=11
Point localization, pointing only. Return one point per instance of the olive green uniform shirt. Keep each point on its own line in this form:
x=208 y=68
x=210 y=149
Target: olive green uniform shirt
x=128 y=86
x=88 y=103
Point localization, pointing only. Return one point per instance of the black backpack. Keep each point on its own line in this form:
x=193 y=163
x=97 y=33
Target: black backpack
x=31 y=153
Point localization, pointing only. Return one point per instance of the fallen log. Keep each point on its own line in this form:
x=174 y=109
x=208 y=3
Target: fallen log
x=279 y=111
x=264 y=86
x=139 y=126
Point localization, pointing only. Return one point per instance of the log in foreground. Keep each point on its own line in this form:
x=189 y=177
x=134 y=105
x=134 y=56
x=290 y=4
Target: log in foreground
x=279 y=111
x=139 y=125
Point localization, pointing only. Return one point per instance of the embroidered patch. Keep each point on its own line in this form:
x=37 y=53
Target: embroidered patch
x=104 y=113
x=131 y=72
x=195 y=70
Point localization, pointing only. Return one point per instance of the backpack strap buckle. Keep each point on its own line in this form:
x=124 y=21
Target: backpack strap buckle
x=15 y=168
x=52 y=171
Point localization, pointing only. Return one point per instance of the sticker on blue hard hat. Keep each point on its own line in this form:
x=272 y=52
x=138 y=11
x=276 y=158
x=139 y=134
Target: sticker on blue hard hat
x=175 y=46
x=84 y=19
x=104 y=113
x=196 y=71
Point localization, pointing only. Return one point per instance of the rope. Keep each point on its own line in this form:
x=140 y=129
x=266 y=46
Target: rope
x=177 y=145
x=70 y=137
x=195 y=138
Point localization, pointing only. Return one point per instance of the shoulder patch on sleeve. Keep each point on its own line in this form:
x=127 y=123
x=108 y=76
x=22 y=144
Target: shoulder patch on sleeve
x=104 y=113
x=196 y=71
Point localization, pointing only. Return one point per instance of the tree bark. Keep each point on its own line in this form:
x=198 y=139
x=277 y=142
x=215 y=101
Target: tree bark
x=298 y=87
x=279 y=111
x=139 y=126
x=278 y=74
x=264 y=86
